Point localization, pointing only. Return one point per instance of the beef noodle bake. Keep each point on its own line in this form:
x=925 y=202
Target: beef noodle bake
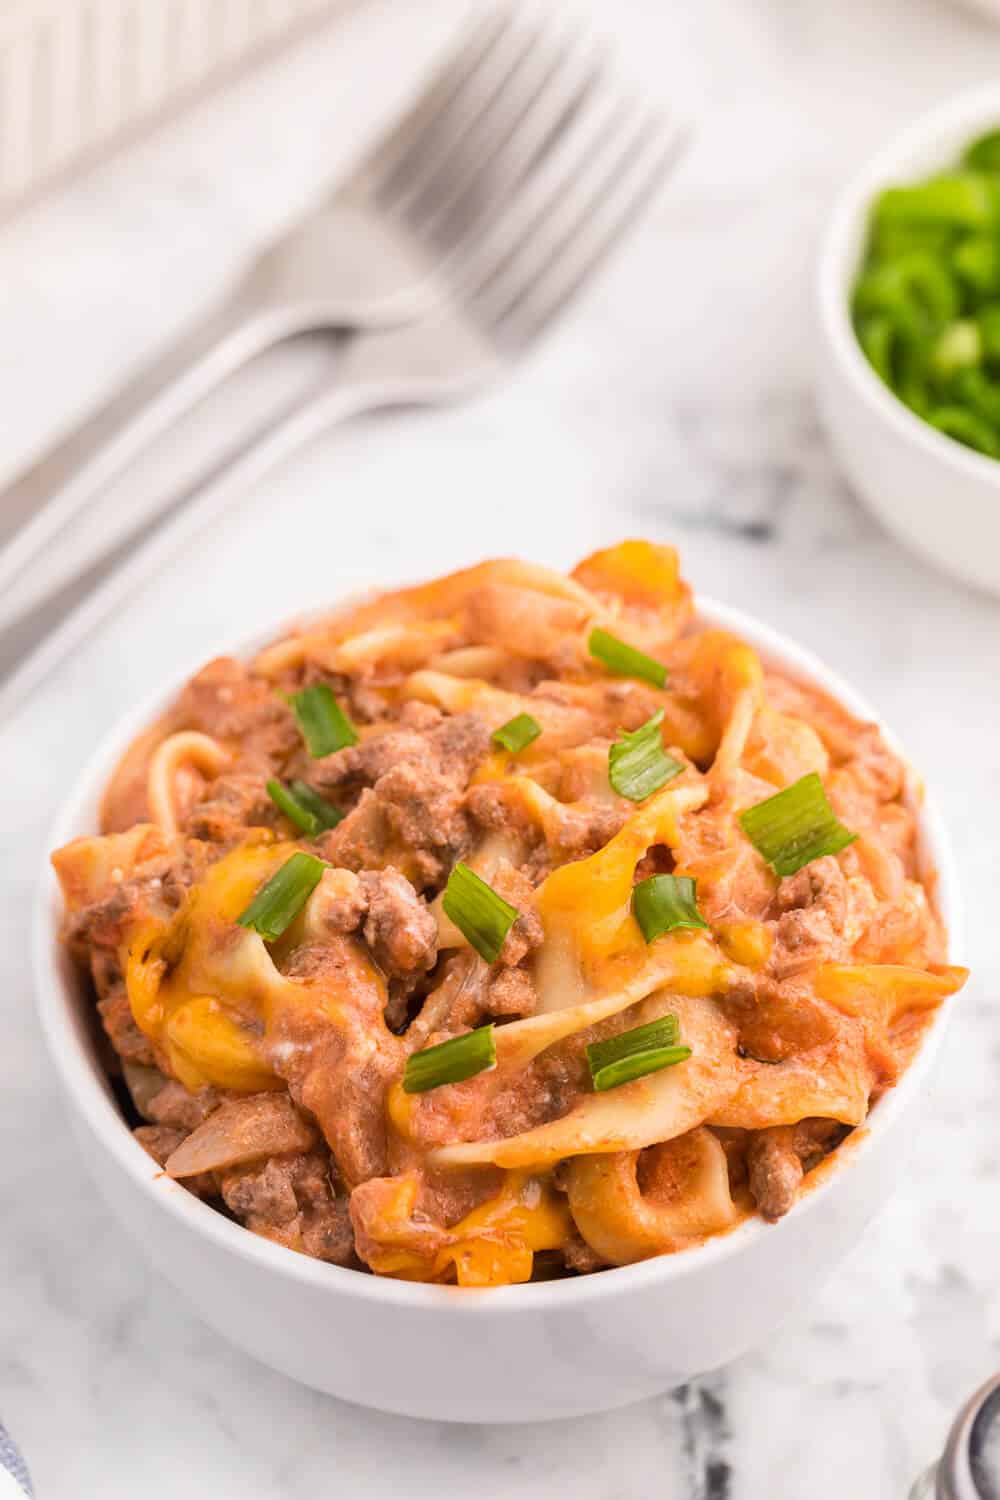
x=507 y=926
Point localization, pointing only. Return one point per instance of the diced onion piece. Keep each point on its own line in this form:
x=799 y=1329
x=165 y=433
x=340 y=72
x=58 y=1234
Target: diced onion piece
x=242 y=1130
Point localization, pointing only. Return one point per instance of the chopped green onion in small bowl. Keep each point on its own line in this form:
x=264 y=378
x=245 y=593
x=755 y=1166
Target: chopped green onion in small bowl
x=926 y=301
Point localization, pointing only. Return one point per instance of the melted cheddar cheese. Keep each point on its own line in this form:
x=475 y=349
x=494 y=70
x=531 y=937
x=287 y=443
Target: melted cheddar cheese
x=800 y=1001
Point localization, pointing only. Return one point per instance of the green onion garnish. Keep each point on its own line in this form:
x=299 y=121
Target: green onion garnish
x=451 y=1061
x=286 y=801
x=624 y=660
x=665 y=903
x=633 y=1054
x=965 y=427
x=984 y=152
x=954 y=200
x=326 y=815
x=324 y=725
x=925 y=303
x=638 y=765
x=303 y=806
x=517 y=733
x=795 y=826
x=478 y=912
x=279 y=902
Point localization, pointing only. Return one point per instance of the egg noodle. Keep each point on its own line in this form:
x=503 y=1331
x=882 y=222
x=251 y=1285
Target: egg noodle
x=463 y=935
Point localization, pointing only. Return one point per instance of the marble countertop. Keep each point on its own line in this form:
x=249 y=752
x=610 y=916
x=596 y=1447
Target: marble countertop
x=677 y=403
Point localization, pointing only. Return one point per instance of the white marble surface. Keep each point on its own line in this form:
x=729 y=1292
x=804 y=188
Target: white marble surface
x=677 y=404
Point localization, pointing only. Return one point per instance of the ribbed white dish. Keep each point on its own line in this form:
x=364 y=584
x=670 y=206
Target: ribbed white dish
x=78 y=77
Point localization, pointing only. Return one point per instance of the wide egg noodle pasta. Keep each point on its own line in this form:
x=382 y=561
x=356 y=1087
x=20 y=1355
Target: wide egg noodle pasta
x=184 y=749
x=689 y=1197
x=800 y=1002
x=414 y=607
x=651 y=1109
x=222 y=1012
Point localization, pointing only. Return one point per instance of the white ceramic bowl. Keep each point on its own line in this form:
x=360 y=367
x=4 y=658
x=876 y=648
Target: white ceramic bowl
x=939 y=497
x=553 y=1349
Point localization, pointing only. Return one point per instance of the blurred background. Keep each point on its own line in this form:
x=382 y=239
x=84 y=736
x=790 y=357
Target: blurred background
x=677 y=402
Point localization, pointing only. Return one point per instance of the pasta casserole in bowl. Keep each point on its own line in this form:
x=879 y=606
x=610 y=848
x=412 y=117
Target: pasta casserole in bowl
x=463 y=986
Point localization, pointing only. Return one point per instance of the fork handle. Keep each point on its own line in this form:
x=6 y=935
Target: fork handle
x=50 y=493
x=364 y=380
x=353 y=389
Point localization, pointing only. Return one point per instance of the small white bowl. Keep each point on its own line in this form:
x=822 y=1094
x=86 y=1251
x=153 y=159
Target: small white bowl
x=551 y=1349
x=940 y=498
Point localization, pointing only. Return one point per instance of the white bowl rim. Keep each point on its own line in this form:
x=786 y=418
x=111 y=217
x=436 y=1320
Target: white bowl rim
x=90 y=1097
x=836 y=271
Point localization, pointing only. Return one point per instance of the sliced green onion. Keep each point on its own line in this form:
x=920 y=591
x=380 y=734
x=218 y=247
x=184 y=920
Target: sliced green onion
x=663 y=1032
x=326 y=815
x=638 y=765
x=627 y=1069
x=958 y=200
x=666 y=903
x=286 y=802
x=624 y=660
x=876 y=335
x=517 y=733
x=897 y=237
x=450 y=1062
x=910 y=368
x=916 y=292
x=957 y=347
x=478 y=912
x=965 y=427
x=980 y=394
x=279 y=902
x=324 y=725
x=926 y=304
x=976 y=261
x=988 y=323
x=795 y=826
x=633 y=1054
x=984 y=153
x=303 y=806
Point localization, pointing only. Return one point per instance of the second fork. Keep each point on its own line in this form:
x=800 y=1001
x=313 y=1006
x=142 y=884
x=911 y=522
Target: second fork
x=481 y=196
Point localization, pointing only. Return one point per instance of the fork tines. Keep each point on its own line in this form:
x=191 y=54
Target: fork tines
x=521 y=166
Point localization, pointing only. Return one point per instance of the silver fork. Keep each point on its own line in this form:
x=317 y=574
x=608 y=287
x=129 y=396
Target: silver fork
x=346 y=265
x=448 y=183
x=513 y=179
